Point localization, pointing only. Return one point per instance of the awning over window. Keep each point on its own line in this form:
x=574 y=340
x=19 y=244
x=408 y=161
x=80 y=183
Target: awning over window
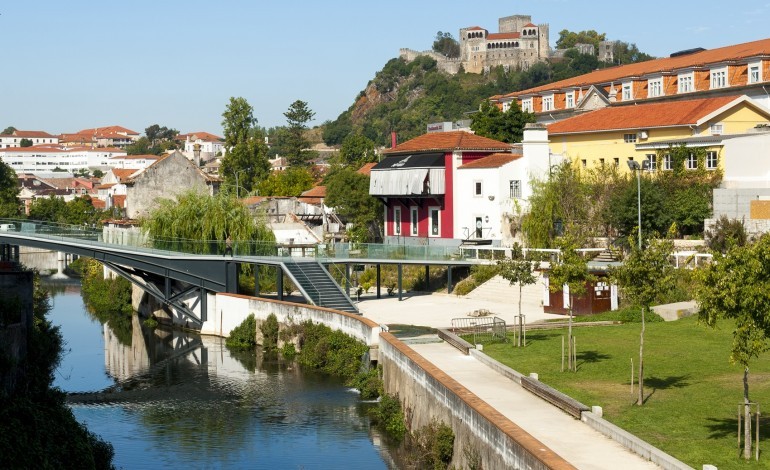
x=412 y=175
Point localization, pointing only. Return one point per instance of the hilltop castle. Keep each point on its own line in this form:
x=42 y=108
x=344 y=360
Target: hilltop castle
x=519 y=43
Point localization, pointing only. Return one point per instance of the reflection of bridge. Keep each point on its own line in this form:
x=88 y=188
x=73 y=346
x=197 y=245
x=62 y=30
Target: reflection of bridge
x=180 y=273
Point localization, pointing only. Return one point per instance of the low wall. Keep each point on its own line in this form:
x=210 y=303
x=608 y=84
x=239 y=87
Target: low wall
x=427 y=393
x=229 y=310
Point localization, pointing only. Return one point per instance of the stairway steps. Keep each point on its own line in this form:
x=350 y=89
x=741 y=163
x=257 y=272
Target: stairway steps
x=320 y=286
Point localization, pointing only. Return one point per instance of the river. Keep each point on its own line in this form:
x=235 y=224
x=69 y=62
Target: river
x=185 y=400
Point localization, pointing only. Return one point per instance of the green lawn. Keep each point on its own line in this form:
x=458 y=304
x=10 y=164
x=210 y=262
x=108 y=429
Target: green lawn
x=692 y=390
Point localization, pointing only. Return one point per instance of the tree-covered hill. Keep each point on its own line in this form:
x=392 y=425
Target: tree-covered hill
x=405 y=97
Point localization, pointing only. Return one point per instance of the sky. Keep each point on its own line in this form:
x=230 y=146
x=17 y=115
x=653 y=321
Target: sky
x=71 y=65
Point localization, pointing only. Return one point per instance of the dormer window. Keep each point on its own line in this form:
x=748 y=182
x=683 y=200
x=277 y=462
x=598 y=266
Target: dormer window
x=719 y=78
x=755 y=72
x=569 y=99
x=547 y=103
x=628 y=91
x=655 y=87
x=685 y=83
x=526 y=105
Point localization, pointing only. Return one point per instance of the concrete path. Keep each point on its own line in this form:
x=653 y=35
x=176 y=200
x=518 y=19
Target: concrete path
x=572 y=439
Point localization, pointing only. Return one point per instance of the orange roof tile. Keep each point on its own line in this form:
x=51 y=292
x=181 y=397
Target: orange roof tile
x=668 y=114
x=316 y=191
x=496 y=160
x=530 y=25
x=447 y=142
x=119 y=200
x=204 y=136
x=493 y=36
x=98 y=203
x=366 y=169
x=122 y=174
x=136 y=157
x=667 y=64
x=19 y=133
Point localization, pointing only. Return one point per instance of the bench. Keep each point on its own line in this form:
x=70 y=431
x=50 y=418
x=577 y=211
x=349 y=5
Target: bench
x=455 y=341
x=564 y=402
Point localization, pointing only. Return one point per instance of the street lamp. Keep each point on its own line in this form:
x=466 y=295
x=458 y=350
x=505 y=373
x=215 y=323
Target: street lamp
x=635 y=167
x=237 y=186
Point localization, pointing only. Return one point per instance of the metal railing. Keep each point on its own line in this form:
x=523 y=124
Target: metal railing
x=482 y=329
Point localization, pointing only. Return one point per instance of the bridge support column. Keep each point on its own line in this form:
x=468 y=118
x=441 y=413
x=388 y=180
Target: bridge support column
x=231 y=277
x=379 y=279
x=279 y=282
x=449 y=279
x=204 y=304
x=256 y=280
x=400 y=281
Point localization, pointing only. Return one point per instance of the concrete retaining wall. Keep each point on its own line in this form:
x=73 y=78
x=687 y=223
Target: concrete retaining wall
x=427 y=393
x=229 y=310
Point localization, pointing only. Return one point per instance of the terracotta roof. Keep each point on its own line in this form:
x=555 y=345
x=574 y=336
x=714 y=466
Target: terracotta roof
x=667 y=64
x=204 y=136
x=98 y=203
x=366 y=169
x=530 y=25
x=106 y=186
x=316 y=191
x=669 y=114
x=251 y=200
x=496 y=160
x=122 y=173
x=136 y=157
x=119 y=200
x=475 y=28
x=448 y=141
x=493 y=36
x=34 y=149
x=107 y=130
x=19 y=133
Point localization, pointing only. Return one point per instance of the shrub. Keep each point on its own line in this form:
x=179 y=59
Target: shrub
x=244 y=335
x=288 y=351
x=330 y=351
x=369 y=384
x=269 y=329
x=433 y=445
x=389 y=416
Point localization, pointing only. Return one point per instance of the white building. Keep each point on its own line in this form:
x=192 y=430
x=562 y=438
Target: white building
x=46 y=158
x=132 y=162
x=14 y=139
x=210 y=145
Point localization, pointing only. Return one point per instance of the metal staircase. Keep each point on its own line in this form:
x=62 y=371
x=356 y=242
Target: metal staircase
x=317 y=285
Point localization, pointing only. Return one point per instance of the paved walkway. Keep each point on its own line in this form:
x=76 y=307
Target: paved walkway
x=570 y=438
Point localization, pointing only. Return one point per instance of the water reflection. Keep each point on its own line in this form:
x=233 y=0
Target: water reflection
x=177 y=398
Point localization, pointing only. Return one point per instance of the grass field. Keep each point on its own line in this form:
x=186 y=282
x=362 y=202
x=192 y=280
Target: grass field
x=692 y=390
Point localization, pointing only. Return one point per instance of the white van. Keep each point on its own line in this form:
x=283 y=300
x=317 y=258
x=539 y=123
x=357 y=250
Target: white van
x=7 y=227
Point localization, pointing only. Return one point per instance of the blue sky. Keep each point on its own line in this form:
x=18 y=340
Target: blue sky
x=76 y=64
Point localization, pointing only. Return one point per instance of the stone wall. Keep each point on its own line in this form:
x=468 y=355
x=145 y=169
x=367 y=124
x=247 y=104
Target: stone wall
x=427 y=393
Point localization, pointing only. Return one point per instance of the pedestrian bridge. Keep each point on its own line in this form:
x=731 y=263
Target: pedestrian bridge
x=181 y=272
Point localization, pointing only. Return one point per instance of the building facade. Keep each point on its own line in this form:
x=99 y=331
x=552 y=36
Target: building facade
x=47 y=158
x=13 y=140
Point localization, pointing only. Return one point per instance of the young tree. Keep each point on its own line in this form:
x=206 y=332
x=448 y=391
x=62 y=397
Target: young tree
x=645 y=275
x=356 y=150
x=726 y=233
x=568 y=39
x=571 y=271
x=289 y=182
x=348 y=193
x=9 y=192
x=506 y=126
x=297 y=117
x=25 y=143
x=518 y=270
x=446 y=45
x=736 y=286
x=245 y=163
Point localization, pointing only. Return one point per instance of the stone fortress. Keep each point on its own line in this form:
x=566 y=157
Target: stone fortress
x=518 y=43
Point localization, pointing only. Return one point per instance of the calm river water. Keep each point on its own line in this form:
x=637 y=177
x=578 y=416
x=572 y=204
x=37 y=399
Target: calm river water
x=187 y=401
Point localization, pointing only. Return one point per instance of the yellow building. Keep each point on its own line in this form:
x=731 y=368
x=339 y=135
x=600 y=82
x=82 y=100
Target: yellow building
x=614 y=135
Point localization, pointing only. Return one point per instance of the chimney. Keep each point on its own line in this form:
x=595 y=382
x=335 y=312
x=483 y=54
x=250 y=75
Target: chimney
x=393 y=139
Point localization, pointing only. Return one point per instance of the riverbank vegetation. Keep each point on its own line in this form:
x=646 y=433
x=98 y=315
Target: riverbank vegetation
x=692 y=391
x=107 y=299
x=38 y=428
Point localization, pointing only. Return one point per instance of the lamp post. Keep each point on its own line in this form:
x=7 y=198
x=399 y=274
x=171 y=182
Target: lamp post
x=635 y=167
x=237 y=186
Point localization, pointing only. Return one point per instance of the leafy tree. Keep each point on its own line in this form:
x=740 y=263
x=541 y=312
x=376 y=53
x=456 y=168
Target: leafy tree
x=568 y=39
x=625 y=53
x=49 y=208
x=139 y=147
x=156 y=134
x=25 y=143
x=246 y=161
x=78 y=211
x=297 y=116
x=290 y=182
x=574 y=63
x=446 y=45
x=644 y=276
x=8 y=130
x=348 y=193
x=356 y=150
x=571 y=271
x=506 y=126
x=9 y=192
x=98 y=173
x=736 y=286
x=334 y=132
x=518 y=270
x=624 y=207
x=726 y=233
x=195 y=216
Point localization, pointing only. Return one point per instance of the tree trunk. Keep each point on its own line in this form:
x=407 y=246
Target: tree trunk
x=640 y=400
x=746 y=416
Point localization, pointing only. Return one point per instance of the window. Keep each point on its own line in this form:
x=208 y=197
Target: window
x=628 y=91
x=711 y=160
x=719 y=78
x=755 y=73
x=653 y=159
x=506 y=106
x=716 y=129
x=548 y=103
x=685 y=83
x=654 y=87
x=584 y=163
x=667 y=162
x=434 y=222
x=477 y=188
x=396 y=221
x=629 y=138
x=515 y=187
x=569 y=99
x=691 y=162
x=616 y=161
x=601 y=162
x=526 y=105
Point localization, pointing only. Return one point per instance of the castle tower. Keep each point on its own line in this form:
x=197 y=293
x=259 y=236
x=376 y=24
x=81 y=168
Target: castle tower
x=545 y=45
x=513 y=24
x=473 y=48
